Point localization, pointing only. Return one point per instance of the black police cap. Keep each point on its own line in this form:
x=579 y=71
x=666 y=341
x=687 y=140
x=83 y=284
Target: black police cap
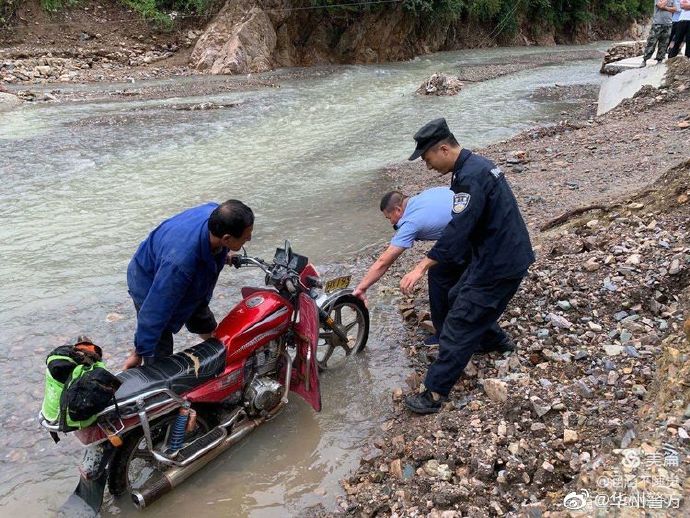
x=430 y=134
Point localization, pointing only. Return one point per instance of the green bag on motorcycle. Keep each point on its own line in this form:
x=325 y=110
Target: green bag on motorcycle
x=77 y=386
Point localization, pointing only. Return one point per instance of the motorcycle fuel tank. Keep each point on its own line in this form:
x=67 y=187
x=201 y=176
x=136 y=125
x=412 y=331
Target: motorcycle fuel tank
x=261 y=316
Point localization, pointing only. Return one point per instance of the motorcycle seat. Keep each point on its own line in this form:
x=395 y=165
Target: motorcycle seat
x=180 y=372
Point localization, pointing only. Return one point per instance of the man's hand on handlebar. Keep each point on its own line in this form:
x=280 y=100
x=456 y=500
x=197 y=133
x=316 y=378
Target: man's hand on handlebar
x=234 y=260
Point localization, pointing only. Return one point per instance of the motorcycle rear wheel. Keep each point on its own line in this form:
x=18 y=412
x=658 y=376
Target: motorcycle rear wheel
x=133 y=465
x=351 y=316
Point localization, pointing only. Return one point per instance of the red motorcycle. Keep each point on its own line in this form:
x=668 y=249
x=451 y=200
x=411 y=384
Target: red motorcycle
x=177 y=415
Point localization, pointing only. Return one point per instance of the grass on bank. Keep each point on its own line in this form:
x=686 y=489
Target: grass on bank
x=159 y=12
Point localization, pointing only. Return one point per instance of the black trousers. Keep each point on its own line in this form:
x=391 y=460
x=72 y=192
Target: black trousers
x=471 y=326
x=442 y=277
x=201 y=322
x=681 y=35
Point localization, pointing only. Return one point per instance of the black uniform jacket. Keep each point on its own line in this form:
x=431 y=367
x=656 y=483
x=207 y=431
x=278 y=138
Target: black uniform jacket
x=486 y=222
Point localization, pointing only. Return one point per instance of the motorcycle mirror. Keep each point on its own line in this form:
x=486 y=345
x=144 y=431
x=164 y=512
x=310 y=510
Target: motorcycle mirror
x=244 y=252
x=288 y=251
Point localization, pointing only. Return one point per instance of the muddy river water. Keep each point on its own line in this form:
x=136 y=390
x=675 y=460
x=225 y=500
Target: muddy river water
x=82 y=184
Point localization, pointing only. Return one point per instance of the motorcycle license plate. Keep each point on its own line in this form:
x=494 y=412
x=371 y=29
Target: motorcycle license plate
x=338 y=283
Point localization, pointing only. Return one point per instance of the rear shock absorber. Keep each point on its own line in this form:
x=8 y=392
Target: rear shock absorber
x=178 y=430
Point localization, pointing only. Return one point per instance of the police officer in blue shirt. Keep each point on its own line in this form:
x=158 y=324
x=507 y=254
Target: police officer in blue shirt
x=174 y=271
x=486 y=222
x=418 y=218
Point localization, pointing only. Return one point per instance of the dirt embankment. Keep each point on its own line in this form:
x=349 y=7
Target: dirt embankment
x=593 y=409
x=97 y=41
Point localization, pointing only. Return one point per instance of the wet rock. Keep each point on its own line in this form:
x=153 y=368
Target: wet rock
x=440 y=84
x=8 y=101
x=372 y=455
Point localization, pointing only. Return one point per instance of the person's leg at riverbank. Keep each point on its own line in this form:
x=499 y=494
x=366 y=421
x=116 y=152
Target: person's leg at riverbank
x=442 y=278
x=674 y=29
x=680 y=38
x=662 y=42
x=472 y=317
x=652 y=41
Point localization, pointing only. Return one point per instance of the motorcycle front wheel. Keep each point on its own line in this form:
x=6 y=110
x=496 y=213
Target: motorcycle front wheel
x=351 y=317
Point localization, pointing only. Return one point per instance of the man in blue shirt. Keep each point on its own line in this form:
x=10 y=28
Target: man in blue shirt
x=420 y=218
x=486 y=222
x=174 y=271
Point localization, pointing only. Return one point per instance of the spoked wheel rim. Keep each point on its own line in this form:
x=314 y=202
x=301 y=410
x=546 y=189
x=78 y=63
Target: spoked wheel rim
x=332 y=351
x=141 y=465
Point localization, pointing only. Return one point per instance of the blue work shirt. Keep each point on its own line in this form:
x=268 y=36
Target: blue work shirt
x=172 y=273
x=486 y=221
x=425 y=217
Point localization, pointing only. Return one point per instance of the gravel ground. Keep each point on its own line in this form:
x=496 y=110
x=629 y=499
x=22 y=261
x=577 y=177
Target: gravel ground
x=595 y=399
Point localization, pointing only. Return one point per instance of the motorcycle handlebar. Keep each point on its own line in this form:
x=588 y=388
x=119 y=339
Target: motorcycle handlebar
x=238 y=261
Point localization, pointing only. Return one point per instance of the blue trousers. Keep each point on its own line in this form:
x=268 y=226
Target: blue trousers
x=442 y=278
x=470 y=326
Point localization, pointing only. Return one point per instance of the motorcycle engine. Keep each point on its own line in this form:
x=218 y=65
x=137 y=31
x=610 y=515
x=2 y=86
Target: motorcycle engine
x=263 y=394
x=266 y=358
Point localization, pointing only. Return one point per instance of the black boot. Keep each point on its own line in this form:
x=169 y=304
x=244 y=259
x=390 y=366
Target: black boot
x=506 y=346
x=425 y=402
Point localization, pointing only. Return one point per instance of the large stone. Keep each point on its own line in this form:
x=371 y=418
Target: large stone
x=440 y=84
x=497 y=390
x=559 y=321
x=8 y=101
x=569 y=436
x=239 y=40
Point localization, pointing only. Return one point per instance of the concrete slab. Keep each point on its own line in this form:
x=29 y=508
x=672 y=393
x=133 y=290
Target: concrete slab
x=625 y=64
x=627 y=83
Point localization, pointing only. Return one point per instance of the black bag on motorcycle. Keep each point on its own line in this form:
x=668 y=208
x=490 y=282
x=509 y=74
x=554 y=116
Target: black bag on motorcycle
x=77 y=386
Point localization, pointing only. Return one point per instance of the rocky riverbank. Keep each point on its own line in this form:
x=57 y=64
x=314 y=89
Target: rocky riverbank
x=595 y=397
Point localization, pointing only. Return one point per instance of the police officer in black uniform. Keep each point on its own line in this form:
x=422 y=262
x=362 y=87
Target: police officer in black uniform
x=486 y=222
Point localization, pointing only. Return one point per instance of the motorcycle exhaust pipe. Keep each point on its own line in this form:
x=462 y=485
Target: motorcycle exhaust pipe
x=166 y=482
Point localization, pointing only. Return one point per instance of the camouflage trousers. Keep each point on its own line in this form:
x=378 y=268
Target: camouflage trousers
x=658 y=37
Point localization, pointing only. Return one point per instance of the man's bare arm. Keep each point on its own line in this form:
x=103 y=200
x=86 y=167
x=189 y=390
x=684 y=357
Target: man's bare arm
x=378 y=269
x=411 y=278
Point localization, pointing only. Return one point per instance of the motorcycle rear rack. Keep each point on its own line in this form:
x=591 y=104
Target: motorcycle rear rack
x=125 y=409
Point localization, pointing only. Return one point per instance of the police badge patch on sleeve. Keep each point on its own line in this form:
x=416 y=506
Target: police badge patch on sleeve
x=460 y=202
x=496 y=172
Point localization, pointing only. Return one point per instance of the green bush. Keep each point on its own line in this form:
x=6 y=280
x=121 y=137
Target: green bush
x=7 y=10
x=155 y=11
x=504 y=15
x=56 y=5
